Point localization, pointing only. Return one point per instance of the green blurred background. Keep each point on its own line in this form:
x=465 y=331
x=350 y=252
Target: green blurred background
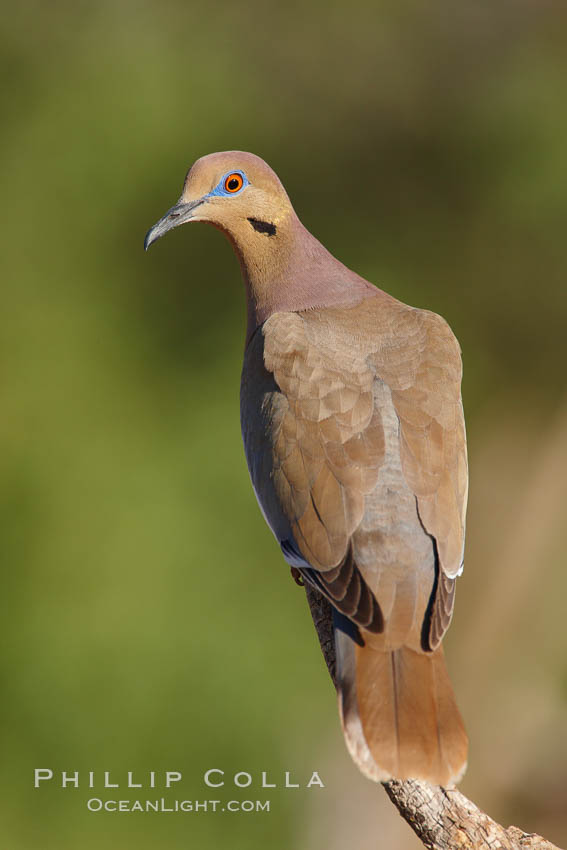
x=149 y=622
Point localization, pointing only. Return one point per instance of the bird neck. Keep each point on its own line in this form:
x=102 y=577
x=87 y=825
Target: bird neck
x=291 y=271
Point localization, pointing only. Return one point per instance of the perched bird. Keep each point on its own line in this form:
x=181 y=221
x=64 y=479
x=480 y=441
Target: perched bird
x=354 y=436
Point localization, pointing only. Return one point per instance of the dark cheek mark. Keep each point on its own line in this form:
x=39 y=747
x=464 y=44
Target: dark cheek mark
x=263 y=226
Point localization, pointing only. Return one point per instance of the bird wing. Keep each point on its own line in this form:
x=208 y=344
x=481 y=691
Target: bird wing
x=421 y=364
x=315 y=457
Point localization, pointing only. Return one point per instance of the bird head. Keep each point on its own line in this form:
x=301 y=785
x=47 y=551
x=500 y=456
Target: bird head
x=284 y=267
x=237 y=193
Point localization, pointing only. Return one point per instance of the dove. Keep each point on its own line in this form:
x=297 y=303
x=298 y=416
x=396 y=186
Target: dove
x=354 y=435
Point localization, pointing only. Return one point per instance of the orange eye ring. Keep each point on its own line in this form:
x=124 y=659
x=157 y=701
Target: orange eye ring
x=233 y=182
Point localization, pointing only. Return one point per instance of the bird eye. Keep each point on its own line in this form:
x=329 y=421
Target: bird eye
x=233 y=182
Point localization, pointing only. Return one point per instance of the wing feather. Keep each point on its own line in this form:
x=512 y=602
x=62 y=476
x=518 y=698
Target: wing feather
x=322 y=442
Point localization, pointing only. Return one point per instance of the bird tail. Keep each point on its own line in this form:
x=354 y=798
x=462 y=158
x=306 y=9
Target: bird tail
x=399 y=714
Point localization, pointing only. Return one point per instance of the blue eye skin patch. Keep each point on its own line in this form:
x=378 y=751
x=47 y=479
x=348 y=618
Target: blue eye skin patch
x=220 y=191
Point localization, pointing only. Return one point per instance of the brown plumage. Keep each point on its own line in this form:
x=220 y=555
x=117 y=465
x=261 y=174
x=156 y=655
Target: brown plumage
x=354 y=435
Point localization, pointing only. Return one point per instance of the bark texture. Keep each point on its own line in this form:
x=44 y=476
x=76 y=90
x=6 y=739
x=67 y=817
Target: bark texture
x=442 y=818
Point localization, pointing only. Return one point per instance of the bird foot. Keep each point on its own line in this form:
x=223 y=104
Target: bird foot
x=297 y=577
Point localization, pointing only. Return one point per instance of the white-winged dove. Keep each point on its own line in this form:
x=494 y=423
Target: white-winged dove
x=354 y=435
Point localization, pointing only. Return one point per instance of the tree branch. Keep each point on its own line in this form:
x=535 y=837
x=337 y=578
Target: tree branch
x=442 y=818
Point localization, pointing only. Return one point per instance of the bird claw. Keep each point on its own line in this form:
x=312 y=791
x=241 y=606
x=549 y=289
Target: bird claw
x=297 y=577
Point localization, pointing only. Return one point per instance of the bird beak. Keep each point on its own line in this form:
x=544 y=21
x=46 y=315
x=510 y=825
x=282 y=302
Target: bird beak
x=179 y=214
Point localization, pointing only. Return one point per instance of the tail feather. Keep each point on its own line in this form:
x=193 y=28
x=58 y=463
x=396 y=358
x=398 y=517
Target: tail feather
x=399 y=713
